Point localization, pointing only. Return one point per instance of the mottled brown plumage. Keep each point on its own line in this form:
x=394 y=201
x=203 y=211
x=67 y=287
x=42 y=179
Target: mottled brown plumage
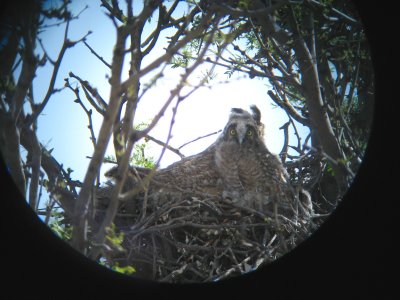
x=195 y=173
x=237 y=166
x=251 y=175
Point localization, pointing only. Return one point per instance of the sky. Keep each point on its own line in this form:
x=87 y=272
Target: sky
x=63 y=123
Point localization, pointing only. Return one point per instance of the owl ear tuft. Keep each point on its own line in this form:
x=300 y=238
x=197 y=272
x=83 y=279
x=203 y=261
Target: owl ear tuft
x=256 y=114
x=237 y=111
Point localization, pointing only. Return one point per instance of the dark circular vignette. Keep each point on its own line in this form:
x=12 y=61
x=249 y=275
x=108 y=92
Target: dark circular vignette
x=348 y=255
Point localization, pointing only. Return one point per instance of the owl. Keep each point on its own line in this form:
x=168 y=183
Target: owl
x=251 y=175
x=237 y=166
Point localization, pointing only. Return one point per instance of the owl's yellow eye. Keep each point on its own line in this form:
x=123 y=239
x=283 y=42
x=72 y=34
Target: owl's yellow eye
x=232 y=132
x=249 y=132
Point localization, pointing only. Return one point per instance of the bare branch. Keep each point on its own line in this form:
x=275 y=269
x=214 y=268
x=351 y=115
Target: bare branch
x=81 y=208
x=87 y=111
x=284 y=151
x=28 y=71
x=66 y=44
x=176 y=151
x=199 y=138
x=35 y=163
x=155 y=34
x=288 y=108
x=320 y=122
x=97 y=55
x=115 y=11
x=101 y=105
x=259 y=12
x=168 y=55
x=185 y=76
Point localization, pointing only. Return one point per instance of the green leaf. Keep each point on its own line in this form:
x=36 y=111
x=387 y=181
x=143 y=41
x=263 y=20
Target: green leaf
x=64 y=231
x=329 y=169
x=127 y=270
x=113 y=237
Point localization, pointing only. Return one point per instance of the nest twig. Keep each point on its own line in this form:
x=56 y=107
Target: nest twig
x=197 y=238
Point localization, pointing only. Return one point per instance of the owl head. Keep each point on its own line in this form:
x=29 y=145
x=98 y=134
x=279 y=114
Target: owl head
x=243 y=127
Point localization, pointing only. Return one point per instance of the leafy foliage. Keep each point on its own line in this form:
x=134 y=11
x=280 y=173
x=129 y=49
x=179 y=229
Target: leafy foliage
x=59 y=226
x=114 y=238
x=182 y=60
x=127 y=270
x=139 y=157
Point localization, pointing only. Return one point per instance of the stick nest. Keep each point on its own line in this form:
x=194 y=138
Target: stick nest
x=194 y=238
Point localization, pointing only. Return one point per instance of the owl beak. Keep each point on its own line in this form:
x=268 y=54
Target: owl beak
x=241 y=136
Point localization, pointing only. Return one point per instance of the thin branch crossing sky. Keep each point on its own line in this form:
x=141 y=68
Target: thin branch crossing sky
x=63 y=123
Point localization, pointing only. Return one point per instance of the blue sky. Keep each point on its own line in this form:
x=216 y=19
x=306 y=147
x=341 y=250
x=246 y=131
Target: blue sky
x=63 y=124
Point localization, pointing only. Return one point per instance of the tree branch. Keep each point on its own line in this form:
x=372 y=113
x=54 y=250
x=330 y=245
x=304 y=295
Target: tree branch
x=289 y=109
x=284 y=151
x=176 y=151
x=199 y=138
x=81 y=208
x=87 y=111
x=98 y=56
x=319 y=119
x=155 y=34
x=35 y=153
x=101 y=105
x=66 y=44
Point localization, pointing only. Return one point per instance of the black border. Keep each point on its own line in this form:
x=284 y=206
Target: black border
x=350 y=256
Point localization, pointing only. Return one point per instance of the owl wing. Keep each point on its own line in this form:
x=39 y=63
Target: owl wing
x=193 y=173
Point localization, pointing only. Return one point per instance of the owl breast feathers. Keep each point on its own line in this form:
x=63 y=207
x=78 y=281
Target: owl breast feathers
x=237 y=166
x=250 y=174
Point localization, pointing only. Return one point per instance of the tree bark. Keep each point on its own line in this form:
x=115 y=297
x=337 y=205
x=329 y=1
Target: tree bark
x=320 y=125
x=319 y=120
x=82 y=204
x=9 y=146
